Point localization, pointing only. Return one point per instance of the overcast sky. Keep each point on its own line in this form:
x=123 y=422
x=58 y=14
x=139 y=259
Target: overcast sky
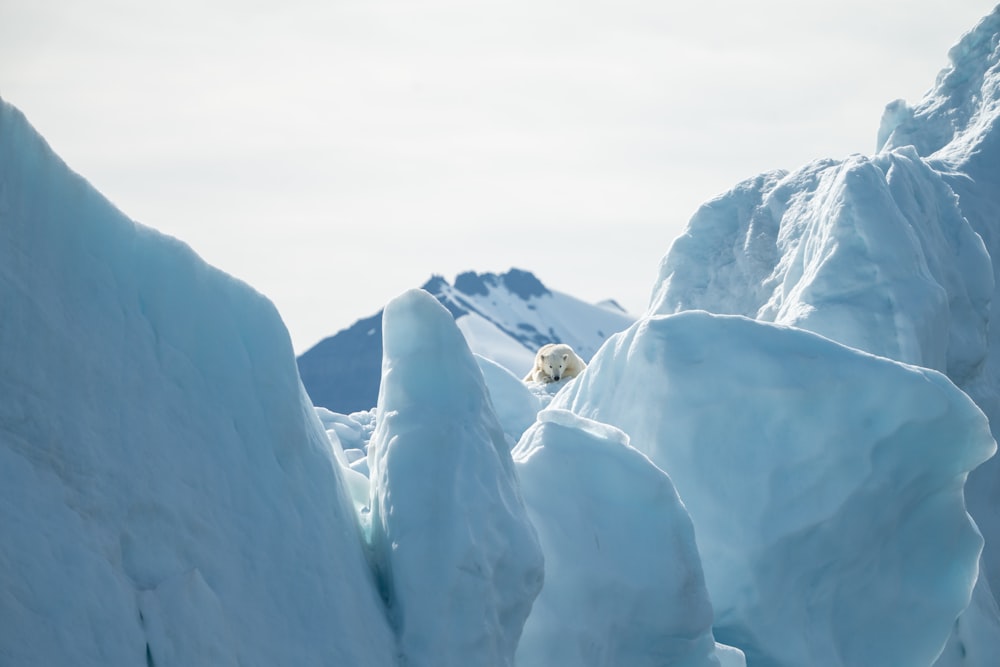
x=334 y=154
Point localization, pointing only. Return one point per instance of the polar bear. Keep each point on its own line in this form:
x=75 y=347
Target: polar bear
x=554 y=362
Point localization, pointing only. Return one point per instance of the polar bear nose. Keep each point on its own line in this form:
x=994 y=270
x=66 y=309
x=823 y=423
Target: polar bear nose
x=556 y=378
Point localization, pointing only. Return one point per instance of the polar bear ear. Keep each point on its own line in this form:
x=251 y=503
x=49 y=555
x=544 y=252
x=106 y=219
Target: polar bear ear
x=565 y=356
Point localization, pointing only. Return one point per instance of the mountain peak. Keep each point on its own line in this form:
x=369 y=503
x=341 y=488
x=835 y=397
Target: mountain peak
x=504 y=317
x=518 y=282
x=524 y=284
x=435 y=285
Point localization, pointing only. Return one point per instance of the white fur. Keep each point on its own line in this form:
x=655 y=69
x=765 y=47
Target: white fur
x=554 y=362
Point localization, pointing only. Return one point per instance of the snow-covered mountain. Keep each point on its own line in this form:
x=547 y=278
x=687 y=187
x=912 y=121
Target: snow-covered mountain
x=768 y=468
x=504 y=318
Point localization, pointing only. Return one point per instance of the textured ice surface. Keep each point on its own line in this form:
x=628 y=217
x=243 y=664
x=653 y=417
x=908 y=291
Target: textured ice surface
x=458 y=559
x=167 y=494
x=825 y=484
x=623 y=583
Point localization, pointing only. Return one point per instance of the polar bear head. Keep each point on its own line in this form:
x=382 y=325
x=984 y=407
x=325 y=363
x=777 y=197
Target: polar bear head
x=554 y=364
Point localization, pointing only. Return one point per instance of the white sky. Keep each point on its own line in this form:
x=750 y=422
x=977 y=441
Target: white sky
x=334 y=154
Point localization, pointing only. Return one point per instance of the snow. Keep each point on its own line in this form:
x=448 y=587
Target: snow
x=504 y=318
x=485 y=337
x=515 y=404
x=458 y=559
x=824 y=483
x=534 y=317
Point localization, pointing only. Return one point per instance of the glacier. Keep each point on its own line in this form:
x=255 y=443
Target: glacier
x=872 y=252
x=618 y=544
x=955 y=130
x=788 y=460
x=167 y=493
x=825 y=484
x=889 y=253
x=457 y=556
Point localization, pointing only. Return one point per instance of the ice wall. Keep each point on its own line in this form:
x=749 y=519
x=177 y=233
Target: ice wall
x=624 y=584
x=167 y=495
x=956 y=128
x=890 y=254
x=458 y=559
x=872 y=252
x=958 y=115
x=825 y=484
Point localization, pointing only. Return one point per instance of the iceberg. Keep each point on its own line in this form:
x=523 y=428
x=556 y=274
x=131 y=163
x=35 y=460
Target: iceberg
x=872 y=252
x=458 y=558
x=167 y=493
x=624 y=584
x=770 y=467
x=956 y=129
x=825 y=484
x=891 y=254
